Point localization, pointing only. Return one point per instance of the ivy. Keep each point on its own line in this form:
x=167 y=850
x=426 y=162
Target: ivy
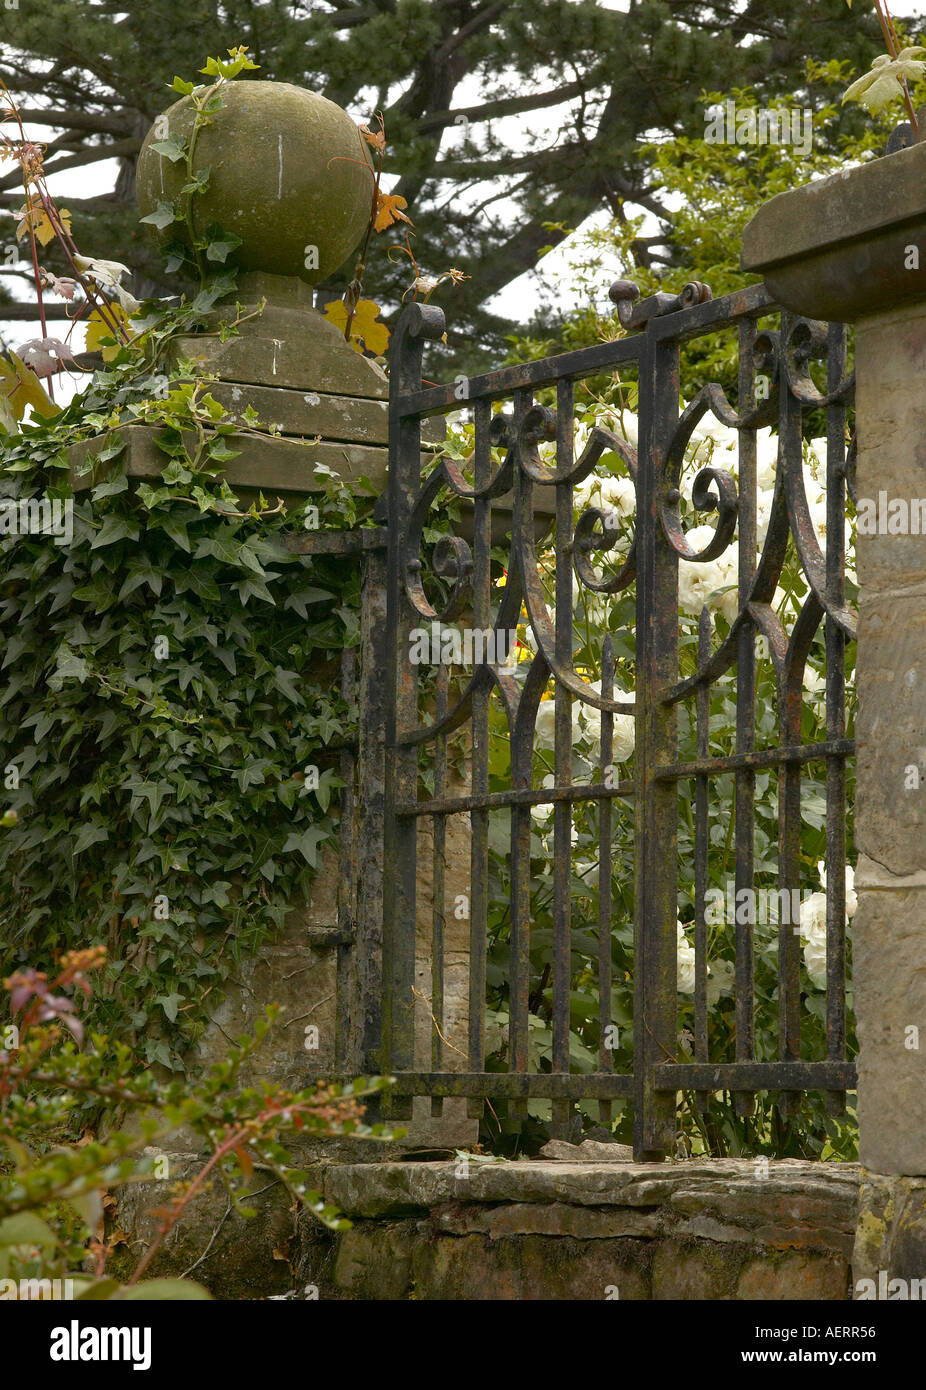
x=169 y=710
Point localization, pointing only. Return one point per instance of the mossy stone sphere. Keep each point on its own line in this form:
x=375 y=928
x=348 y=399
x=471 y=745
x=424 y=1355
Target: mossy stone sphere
x=288 y=172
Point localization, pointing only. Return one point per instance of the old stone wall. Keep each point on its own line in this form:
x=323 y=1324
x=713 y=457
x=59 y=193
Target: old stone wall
x=541 y=1229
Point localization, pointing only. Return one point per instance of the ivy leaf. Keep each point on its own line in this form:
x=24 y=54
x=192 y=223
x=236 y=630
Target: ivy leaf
x=184 y=88
x=163 y=215
x=114 y=528
x=90 y=834
x=177 y=532
x=220 y=244
x=173 y=148
x=302 y=597
x=170 y=1003
x=285 y=682
x=307 y=844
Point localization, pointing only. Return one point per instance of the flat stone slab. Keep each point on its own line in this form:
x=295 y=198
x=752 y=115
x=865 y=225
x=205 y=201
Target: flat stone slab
x=547 y=1229
x=797 y=1204
x=273 y=464
x=590 y=1150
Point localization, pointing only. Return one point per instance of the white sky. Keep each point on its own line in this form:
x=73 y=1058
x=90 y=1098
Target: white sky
x=518 y=301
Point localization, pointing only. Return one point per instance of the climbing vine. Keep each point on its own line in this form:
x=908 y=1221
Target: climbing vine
x=170 y=722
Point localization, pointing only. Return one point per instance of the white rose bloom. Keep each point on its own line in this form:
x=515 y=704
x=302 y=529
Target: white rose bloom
x=586 y=725
x=813 y=919
x=627 y=425
x=698 y=581
x=813 y=926
x=545 y=726
x=814 y=683
x=815 y=961
x=582 y=493
x=685 y=961
x=851 y=895
x=620 y=494
x=766 y=459
x=542 y=813
x=817 y=451
x=720 y=980
x=623 y=738
x=722 y=436
x=763 y=512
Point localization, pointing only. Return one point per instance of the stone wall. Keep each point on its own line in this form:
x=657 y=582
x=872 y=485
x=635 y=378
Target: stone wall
x=542 y=1229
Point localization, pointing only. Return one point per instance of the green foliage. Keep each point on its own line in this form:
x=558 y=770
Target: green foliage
x=169 y=676
x=52 y=1191
x=714 y=188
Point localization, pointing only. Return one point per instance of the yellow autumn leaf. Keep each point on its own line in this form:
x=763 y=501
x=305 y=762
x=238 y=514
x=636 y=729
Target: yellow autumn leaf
x=34 y=218
x=98 y=329
x=365 y=331
x=21 y=387
x=45 y=232
x=389 y=209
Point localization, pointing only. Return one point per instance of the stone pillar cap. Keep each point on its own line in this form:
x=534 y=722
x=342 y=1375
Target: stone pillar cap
x=838 y=248
x=288 y=173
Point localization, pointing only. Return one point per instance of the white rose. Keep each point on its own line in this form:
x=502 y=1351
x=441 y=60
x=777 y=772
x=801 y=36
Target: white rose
x=623 y=738
x=545 y=726
x=620 y=494
x=766 y=459
x=721 y=436
x=685 y=962
x=851 y=895
x=815 y=961
x=720 y=980
x=813 y=918
x=763 y=512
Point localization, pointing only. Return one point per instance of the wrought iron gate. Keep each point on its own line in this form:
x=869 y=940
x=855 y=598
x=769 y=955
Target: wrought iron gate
x=423 y=715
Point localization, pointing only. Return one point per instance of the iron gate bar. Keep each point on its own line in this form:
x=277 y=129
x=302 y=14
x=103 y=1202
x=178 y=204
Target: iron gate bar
x=757 y=1076
x=519 y=1086
x=835 y=638
x=761 y=757
x=579 y=791
x=658 y=547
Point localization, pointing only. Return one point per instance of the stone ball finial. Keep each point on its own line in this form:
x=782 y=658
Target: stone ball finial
x=287 y=173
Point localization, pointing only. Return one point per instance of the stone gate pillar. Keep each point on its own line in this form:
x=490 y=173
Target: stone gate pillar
x=287 y=177
x=853 y=248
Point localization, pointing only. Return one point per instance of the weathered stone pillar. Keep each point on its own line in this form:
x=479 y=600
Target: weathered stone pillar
x=287 y=177
x=849 y=248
